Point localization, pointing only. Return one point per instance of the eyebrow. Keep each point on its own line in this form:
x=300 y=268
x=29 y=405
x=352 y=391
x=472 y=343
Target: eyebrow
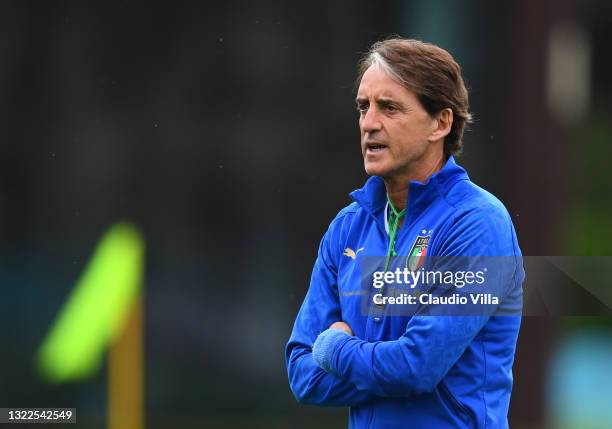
x=388 y=101
x=383 y=101
x=379 y=99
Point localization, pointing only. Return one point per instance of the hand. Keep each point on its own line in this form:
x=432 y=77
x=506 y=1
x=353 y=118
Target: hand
x=342 y=326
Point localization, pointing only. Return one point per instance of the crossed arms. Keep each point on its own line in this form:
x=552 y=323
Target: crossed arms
x=347 y=371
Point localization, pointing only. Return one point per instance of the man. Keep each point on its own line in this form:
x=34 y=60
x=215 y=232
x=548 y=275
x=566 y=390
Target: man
x=423 y=369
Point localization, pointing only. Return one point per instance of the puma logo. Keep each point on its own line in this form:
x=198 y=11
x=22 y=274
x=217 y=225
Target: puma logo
x=351 y=253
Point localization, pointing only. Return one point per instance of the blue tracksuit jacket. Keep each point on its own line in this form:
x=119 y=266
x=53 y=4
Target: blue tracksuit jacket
x=421 y=371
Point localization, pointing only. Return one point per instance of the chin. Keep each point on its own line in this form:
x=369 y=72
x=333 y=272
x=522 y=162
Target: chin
x=376 y=169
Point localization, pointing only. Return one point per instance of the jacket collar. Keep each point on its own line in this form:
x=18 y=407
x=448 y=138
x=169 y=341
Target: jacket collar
x=373 y=195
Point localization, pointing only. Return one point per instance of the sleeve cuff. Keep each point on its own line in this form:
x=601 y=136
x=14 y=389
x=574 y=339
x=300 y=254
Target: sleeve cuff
x=325 y=345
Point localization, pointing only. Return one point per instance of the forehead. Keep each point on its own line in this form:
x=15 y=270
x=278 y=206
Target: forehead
x=375 y=82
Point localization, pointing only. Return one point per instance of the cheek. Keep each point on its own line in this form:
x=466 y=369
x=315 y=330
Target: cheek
x=411 y=135
x=401 y=137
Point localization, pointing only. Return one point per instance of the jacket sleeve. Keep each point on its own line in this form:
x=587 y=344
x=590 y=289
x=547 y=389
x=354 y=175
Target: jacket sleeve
x=321 y=307
x=417 y=361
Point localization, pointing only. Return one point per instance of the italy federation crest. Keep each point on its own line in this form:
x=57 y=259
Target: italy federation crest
x=416 y=256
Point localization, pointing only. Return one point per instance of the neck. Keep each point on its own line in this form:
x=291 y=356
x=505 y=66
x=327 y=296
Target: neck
x=398 y=185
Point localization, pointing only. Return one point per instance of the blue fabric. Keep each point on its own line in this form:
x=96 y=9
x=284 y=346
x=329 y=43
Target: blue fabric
x=324 y=347
x=410 y=371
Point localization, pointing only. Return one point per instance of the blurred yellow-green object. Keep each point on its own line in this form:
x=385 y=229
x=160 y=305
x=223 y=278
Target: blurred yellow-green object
x=96 y=309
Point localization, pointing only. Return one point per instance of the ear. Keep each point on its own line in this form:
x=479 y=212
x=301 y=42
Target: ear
x=442 y=124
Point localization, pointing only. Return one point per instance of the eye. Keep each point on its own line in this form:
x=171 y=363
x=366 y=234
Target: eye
x=362 y=108
x=391 y=108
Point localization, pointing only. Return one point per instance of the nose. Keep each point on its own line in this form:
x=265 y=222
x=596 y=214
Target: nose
x=370 y=122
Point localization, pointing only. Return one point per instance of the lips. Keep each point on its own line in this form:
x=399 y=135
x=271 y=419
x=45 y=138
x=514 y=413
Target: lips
x=375 y=147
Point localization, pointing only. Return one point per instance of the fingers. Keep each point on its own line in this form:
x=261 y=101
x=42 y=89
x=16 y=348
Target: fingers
x=343 y=326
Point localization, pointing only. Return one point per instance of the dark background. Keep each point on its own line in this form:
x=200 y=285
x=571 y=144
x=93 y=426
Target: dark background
x=227 y=132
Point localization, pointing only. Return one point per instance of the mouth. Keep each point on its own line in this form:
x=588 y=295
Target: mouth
x=375 y=147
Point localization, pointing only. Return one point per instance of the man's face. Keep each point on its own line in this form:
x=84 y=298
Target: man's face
x=394 y=125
